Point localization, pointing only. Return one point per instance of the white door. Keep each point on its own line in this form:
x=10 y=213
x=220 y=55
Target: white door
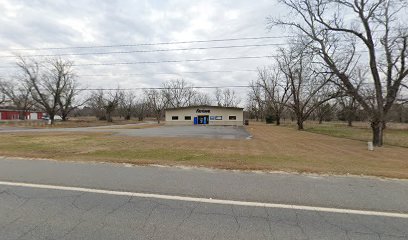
x=33 y=116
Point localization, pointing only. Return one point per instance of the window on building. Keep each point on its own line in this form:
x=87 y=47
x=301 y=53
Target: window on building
x=232 y=117
x=174 y=117
x=187 y=117
x=218 y=117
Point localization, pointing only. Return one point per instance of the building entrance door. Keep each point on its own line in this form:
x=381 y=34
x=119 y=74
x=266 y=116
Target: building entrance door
x=204 y=119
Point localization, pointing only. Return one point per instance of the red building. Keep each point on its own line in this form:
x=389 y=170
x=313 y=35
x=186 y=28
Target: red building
x=7 y=114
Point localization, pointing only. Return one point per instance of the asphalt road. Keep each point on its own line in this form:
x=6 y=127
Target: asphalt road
x=220 y=132
x=123 y=212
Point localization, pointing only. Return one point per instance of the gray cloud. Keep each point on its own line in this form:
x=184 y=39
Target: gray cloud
x=39 y=24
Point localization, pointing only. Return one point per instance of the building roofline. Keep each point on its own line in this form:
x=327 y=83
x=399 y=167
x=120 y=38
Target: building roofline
x=204 y=106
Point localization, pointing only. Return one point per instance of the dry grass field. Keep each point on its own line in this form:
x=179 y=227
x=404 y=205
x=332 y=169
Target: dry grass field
x=72 y=123
x=395 y=134
x=272 y=148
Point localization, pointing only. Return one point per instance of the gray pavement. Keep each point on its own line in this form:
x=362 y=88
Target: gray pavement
x=49 y=214
x=31 y=213
x=314 y=190
x=221 y=132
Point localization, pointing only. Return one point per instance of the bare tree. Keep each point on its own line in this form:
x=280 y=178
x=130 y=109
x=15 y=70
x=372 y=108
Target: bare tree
x=45 y=91
x=201 y=99
x=348 y=110
x=178 y=93
x=2 y=94
x=277 y=90
x=19 y=94
x=256 y=101
x=218 y=96
x=127 y=104
x=47 y=86
x=68 y=101
x=335 y=28
x=403 y=98
x=324 y=112
x=157 y=102
x=226 y=98
x=141 y=107
x=104 y=103
x=97 y=102
x=111 y=103
x=348 y=102
x=308 y=87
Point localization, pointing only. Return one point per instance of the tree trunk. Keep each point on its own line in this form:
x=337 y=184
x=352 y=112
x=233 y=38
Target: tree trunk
x=52 y=118
x=320 y=120
x=277 y=120
x=378 y=129
x=64 y=116
x=349 y=122
x=300 y=124
x=109 y=117
x=21 y=115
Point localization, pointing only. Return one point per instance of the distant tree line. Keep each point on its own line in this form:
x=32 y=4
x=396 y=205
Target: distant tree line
x=152 y=102
x=51 y=86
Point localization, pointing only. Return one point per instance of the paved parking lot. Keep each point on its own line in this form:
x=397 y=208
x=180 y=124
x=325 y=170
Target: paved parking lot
x=223 y=132
x=214 y=132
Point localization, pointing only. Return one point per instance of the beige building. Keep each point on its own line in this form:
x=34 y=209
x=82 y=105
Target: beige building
x=205 y=115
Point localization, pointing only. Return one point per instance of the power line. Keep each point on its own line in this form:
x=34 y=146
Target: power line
x=166 y=73
x=160 y=88
x=160 y=43
x=159 y=73
x=189 y=87
x=163 y=88
x=146 y=51
x=156 y=50
x=172 y=61
x=162 y=50
x=149 y=44
x=162 y=61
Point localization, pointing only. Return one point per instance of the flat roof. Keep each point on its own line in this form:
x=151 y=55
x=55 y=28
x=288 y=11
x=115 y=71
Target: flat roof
x=204 y=106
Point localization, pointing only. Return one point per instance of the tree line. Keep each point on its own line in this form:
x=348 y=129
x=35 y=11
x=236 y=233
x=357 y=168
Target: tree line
x=51 y=86
x=354 y=52
x=152 y=102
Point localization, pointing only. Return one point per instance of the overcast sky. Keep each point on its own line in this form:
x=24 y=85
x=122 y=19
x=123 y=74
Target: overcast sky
x=44 y=24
